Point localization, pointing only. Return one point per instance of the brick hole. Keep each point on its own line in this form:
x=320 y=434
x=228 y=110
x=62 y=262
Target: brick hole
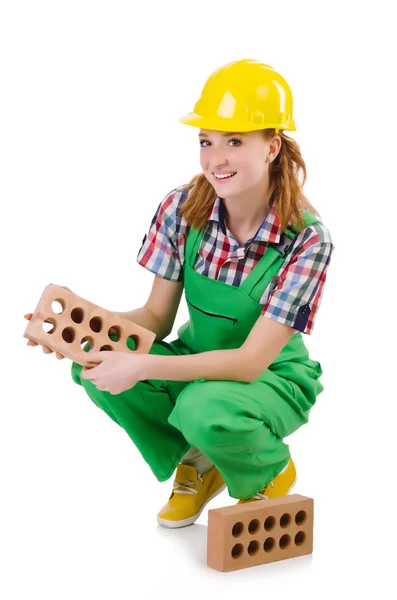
x=237 y=529
x=132 y=342
x=269 y=544
x=270 y=523
x=58 y=306
x=68 y=335
x=300 y=538
x=105 y=347
x=87 y=339
x=285 y=520
x=96 y=324
x=300 y=517
x=253 y=547
x=237 y=550
x=77 y=315
x=285 y=541
x=253 y=526
x=114 y=333
x=49 y=325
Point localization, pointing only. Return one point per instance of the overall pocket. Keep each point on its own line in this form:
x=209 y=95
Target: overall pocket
x=207 y=330
x=211 y=314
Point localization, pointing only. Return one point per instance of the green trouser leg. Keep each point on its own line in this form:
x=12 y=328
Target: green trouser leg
x=240 y=427
x=143 y=413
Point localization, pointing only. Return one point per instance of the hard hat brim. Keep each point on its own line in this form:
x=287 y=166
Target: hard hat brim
x=222 y=124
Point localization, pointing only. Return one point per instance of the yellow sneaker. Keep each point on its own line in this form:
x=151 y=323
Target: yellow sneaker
x=191 y=492
x=280 y=486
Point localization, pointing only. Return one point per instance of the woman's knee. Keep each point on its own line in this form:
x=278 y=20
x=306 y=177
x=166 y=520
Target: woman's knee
x=202 y=413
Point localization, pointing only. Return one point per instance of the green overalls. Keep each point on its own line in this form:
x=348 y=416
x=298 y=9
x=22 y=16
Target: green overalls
x=239 y=426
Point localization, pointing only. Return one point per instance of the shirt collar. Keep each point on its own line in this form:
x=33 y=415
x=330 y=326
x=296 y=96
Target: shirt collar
x=269 y=231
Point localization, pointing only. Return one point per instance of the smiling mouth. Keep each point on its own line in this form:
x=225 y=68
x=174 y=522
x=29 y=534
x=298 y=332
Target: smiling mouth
x=226 y=176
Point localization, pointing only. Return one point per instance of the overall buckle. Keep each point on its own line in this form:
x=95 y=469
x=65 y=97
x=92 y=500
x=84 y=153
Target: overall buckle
x=285 y=243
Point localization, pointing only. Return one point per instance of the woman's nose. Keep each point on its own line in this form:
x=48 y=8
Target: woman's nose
x=218 y=159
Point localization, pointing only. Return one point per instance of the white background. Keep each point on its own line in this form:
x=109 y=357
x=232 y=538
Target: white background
x=90 y=143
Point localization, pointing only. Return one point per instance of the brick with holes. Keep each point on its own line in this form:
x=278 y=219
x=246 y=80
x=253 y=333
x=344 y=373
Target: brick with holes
x=259 y=532
x=64 y=322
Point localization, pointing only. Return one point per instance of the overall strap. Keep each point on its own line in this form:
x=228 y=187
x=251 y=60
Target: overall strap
x=193 y=240
x=267 y=267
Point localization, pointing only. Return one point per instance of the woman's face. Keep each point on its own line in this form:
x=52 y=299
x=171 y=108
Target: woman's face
x=246 y=154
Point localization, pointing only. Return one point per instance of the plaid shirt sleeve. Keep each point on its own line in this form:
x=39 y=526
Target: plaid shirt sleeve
x=162 y=247
x=297 y=295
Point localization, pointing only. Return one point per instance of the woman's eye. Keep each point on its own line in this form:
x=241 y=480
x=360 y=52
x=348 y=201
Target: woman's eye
x=231 y=140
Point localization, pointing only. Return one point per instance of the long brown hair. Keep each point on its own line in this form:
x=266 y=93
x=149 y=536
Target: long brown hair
x=284 y=187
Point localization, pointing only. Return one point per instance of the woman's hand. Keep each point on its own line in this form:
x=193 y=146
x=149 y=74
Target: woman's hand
x=46 y=350
x=116 y=371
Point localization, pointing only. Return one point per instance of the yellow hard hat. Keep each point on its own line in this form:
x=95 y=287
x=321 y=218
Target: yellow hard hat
x=244 y=95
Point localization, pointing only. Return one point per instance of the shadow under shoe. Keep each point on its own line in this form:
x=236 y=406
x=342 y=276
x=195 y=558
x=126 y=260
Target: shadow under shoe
x=191 y=493
x=281 y=485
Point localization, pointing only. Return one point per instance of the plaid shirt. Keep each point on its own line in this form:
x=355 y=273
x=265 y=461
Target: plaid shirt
x=294 y=294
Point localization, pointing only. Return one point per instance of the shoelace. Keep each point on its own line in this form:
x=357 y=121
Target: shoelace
x=260 y=496
x=187 y=490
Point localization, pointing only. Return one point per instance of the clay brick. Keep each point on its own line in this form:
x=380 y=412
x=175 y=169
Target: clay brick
x=80 y=321
x=259 y=532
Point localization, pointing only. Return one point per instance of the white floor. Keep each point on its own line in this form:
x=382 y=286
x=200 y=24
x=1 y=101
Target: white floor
x=79 y=505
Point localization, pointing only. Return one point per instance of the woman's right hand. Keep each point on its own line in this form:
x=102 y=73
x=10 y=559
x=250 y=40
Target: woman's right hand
x=46 y=350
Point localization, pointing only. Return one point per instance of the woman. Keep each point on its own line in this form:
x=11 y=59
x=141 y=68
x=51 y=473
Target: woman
x=251 y=254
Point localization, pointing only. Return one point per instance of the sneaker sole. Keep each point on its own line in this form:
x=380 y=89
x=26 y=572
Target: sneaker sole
x=189 y=520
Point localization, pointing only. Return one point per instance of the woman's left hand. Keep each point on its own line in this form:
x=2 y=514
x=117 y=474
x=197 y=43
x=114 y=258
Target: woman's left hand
x=116 y=371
